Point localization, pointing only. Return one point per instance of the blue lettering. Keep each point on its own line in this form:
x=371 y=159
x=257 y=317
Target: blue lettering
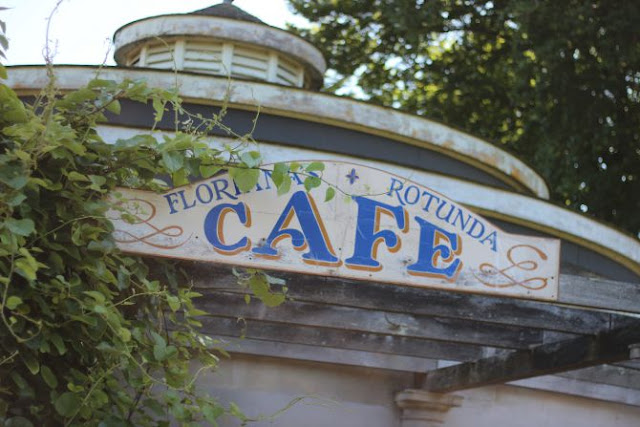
x=171 y=202
x=185 y=205
x=369 y=236
x=429 y=200
x=214 y=222
x=417 y=195
x=225 y=184
x=312 y=235
x=492 y=238
x=208 y=192
x=396 y=190
x=430 y=250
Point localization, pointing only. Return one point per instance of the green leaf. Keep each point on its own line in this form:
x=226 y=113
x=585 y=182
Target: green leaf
x=124 y=334
x=251 y=158
x=170 y=351
x=159 y=352
x=158 y=339
x=285 y=185
x=18 y=422
x=98 y=296
x=100 y=309
x=13 y=302
x=212 y=413
x=260 y=287
x=278 y=173
x=31 y=362
x=312 y=182
x=17 y=199
x=97 y=181
x=48 y=376
x=158 y=108
x=245 y=179
x=155 y=406
x=26 y=268
x=58 y=343
x=173 y=160
x=67 y=404
x=21 y=227
x=114 y=107
x=236 y=412
x=315 y=166
x=174 y=303
x=294 y=166
x=331 y=192
x=75 y=176
x=180 y=177
x=100 y=83
x=208 y=170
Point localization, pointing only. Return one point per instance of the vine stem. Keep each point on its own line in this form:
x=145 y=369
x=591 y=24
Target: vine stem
x=93 y=387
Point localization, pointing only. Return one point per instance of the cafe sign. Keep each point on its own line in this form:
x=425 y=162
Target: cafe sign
x=379 y=227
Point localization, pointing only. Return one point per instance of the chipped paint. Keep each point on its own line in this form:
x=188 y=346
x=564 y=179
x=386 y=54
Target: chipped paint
x=492 y=202
x=316 y=107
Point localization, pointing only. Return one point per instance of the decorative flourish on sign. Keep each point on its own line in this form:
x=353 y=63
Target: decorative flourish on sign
x=140 y=213
x=352 y=176
x=494 y=277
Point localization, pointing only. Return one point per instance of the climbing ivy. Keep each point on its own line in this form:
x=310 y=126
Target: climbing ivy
x=90 y=335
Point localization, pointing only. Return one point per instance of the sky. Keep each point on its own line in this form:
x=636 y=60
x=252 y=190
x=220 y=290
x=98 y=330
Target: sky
x=81 y=30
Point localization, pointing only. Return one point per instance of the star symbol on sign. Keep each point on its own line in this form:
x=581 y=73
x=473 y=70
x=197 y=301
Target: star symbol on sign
x=352 y=176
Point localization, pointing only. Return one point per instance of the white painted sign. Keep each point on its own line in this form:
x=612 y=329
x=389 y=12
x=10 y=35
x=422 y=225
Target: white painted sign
x=379 y=227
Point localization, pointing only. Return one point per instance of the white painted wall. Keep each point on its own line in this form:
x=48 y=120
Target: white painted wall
x=519 y=407
x=341 y=396
x=334 y=395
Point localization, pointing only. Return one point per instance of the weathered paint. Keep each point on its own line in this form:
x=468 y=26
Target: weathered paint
x=490 y=201
x=129 y=36
x=310 y=106
x=382 y=227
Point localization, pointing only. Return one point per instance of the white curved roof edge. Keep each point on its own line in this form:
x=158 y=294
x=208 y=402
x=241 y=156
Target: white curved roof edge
x=311 y=106
x=529 y=210
x=221 y=28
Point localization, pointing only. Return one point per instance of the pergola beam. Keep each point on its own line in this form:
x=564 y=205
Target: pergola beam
x=545 y=359
x=319 y=338
x=431 y=302
x=320 y=315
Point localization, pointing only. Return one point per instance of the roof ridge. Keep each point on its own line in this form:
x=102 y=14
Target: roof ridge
x=227 y=10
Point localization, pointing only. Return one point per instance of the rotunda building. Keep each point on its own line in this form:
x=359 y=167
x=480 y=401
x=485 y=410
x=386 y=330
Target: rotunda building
x=440 y=286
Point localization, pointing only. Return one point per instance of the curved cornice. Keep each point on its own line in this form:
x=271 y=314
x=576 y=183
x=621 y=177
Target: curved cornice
x=306 y=105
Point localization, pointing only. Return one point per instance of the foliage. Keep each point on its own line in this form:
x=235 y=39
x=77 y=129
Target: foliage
x=89 y=335
x=556 y=82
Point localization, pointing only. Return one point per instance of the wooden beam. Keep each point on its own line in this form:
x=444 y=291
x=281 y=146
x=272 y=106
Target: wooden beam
x=334 y=356
x=425 y=302
x=544 y=359
x=618 y=376
x=374 y=321
x=574 y=387
x=629 y=364
x=599 y=293
x=341 y=339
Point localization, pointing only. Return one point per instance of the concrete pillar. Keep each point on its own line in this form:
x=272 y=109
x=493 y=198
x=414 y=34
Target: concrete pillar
x=425 y=409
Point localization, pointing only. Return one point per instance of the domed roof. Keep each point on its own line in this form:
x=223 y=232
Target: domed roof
x=227 y=10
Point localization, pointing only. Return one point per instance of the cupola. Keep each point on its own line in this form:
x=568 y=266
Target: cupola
x=221 y=40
